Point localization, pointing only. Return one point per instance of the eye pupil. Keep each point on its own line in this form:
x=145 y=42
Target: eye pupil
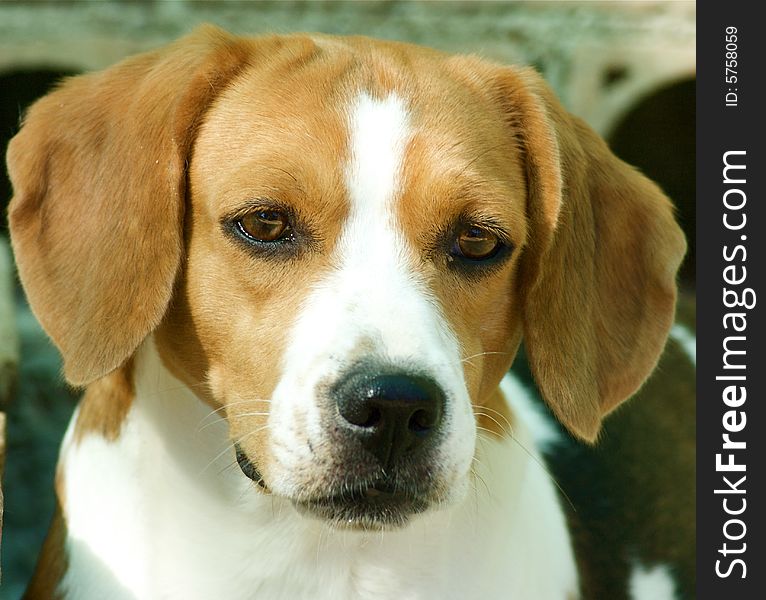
x=476 y=243
x=265 y=225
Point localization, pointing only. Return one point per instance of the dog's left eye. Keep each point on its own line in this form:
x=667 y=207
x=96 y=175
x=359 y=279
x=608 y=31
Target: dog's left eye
x=265 y=225
x=476 y=243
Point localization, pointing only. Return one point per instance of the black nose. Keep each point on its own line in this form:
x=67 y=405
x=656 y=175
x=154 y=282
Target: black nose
x=391 y=414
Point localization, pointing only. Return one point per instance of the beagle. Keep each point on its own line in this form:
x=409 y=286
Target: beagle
x=291 y=273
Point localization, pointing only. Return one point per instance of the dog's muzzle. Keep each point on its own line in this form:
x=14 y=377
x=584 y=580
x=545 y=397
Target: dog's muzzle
x=383 y=426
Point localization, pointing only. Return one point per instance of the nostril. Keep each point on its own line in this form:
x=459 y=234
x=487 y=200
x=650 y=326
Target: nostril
x=421 y=421
x=371 y=418
x=361 y=414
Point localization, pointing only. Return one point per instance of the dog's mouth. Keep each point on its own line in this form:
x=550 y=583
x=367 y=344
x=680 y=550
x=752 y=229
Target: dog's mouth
x=249 y=469
x=379 y=504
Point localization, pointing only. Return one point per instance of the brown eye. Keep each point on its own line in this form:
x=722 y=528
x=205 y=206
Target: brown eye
x=476 y=243
x=265 y=225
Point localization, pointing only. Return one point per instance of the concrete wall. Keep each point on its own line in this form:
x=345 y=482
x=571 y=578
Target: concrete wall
x=600 y=56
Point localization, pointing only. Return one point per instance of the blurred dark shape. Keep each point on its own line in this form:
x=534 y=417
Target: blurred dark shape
x=658 y=136
x=18 y=89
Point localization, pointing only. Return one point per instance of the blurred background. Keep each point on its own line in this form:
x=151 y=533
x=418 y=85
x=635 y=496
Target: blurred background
x=628 y=68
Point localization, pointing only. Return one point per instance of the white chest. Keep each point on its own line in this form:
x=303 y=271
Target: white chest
x=164 y=512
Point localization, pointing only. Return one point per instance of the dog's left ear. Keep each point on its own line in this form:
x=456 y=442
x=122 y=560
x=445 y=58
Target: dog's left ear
x=598 y=274
x=99 y=175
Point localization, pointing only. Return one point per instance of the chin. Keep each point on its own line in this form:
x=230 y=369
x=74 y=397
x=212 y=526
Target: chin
x=372 y=508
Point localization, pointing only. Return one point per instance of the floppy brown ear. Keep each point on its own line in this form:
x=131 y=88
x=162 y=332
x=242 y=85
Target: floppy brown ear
x=98 y=172
x=598 y=277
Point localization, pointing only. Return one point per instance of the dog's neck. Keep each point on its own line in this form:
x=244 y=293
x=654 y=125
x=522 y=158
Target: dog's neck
x=164 y=511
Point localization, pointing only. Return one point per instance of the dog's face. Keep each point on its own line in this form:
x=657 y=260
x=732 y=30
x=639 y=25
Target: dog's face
x=349 y=281
x=364 y=232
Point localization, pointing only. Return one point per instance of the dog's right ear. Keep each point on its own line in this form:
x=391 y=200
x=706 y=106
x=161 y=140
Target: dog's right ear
x=99 y=173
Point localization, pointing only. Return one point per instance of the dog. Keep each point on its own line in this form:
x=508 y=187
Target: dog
x=292 y=273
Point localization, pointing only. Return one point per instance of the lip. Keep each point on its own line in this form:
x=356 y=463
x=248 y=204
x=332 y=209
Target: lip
x=248 y=468
x=377 y=501
x=379 y=505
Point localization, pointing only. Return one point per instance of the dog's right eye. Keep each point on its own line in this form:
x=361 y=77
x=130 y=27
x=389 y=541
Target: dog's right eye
x=476 y=243
x=265 y=225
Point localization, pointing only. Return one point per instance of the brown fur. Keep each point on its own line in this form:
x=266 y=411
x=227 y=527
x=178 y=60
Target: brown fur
x=51 y=564
x=79 y=220
x=105 y=404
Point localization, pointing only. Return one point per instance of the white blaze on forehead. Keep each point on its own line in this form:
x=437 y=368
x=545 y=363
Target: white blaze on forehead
x=379 y=131
x=374 y=277
x=372 y=301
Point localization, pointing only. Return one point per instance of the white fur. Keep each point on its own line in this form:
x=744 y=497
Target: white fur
x=156 y=515
x=373 y=299
x=106 y=539
x=686 y=338
x=654 y=583
x=540 y=423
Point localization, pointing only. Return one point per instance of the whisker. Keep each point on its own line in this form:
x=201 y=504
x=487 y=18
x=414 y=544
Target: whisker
x=499 y=435
x=486 y=487
x=469 y=363
x=545 y=469
x=247 y=435
x=230 y=404
x=238 y=402
x=497 y=412
x=531 y=455
x=228 y=448
x=500 y=425
x=250 y=414
x=481 y=354
x=155 y=391
x=319 y=544
x=231 y=446
x=228 y=467
x=253 y=414
x=210 y=424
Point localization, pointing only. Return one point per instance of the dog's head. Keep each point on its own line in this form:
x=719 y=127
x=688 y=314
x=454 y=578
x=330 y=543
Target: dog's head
x=340 y=243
